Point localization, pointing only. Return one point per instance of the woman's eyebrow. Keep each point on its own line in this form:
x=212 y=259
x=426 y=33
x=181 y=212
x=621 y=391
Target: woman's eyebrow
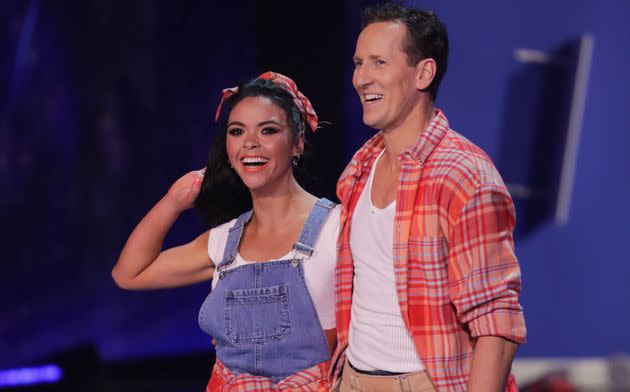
x=267 y=122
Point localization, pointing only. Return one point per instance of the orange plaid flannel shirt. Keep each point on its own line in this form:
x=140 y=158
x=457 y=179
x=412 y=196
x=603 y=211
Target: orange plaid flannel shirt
x=457 y=277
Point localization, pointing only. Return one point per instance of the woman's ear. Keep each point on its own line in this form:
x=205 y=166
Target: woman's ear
x=299 y=145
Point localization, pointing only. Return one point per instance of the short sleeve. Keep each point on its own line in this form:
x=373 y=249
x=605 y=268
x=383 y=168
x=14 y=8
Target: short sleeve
x=217 y=241
x=321 y=270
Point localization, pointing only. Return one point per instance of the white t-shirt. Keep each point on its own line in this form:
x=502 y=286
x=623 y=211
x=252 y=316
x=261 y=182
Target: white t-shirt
x=378 y=338
x=319 y=269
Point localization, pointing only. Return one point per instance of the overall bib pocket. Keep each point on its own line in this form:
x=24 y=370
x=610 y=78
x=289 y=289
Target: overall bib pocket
x=257 y=315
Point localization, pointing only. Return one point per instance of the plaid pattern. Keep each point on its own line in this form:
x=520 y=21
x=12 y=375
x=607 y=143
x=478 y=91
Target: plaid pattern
x=457 y=277
x=312 y=379
x=303 y=103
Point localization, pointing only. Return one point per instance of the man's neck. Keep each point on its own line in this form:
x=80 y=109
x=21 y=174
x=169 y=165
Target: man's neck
x=398 y=139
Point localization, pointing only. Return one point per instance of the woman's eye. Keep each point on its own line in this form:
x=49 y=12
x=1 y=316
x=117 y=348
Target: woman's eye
x=269 y=131
x=235 y=131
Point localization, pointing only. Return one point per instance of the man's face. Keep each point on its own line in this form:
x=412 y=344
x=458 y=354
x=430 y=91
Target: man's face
x=383 y=78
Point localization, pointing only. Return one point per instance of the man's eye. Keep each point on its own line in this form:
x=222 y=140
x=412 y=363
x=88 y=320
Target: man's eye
x=269 y=131
x=235 y=131
x=357 y=64
x=380 y=62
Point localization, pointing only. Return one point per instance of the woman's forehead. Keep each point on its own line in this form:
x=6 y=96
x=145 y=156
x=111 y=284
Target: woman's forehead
x=254 y=109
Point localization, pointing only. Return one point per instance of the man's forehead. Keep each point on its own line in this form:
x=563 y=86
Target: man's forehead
x=379 y=38
x=384 y=30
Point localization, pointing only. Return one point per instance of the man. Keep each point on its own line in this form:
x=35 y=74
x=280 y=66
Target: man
x=427 y=280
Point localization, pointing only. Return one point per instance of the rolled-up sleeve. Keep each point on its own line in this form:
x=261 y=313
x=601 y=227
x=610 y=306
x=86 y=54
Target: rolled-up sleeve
x=484 y=273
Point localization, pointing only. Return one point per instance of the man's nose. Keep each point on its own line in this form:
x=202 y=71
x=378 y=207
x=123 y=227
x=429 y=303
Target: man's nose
x=362 y=76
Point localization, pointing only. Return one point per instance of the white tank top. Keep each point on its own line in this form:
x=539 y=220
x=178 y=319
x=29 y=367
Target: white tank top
x=378 y=338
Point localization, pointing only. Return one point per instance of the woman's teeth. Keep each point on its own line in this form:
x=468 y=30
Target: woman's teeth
x=254 y=161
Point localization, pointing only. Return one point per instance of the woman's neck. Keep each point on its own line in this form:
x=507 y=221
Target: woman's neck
x=273 y=210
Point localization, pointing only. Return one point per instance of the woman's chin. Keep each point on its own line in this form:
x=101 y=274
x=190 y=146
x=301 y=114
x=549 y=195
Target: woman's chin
x=264 y=185
x=256 y=183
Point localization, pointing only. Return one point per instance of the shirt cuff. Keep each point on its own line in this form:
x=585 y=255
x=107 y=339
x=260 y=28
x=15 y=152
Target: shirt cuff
x=506 y=323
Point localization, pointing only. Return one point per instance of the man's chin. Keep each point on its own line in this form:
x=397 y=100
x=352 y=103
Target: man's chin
x=370 y=123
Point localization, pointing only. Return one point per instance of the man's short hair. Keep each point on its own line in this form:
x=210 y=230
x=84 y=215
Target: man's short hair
x=426 y=36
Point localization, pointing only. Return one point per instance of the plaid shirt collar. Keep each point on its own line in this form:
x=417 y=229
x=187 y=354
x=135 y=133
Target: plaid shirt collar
x=418 y=151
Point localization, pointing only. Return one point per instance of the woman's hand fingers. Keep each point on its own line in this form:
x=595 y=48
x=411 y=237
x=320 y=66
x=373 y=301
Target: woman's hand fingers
x=195 y=187
x=185 y=190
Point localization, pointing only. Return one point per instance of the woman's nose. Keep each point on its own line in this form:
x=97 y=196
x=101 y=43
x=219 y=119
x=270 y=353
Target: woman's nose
x=251 y=141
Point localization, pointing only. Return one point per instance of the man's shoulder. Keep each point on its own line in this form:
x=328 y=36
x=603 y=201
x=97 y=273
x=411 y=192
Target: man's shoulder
x=460 y=169
x=460 y=159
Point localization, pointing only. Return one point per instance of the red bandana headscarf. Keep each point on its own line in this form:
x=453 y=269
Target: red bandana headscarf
x=303 y=104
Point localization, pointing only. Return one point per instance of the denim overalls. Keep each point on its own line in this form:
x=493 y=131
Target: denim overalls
x=261 y=314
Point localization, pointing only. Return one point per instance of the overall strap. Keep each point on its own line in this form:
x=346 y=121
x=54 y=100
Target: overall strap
x=313 y=226
x=234 y=238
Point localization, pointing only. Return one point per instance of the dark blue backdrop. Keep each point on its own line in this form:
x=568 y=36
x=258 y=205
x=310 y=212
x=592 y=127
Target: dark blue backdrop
x=104 y=104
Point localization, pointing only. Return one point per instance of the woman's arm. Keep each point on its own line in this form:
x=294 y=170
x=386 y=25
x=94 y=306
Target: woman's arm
x=142 y=263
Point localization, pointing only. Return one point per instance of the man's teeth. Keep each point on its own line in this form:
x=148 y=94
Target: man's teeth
x=373 y=97
x=254 y=160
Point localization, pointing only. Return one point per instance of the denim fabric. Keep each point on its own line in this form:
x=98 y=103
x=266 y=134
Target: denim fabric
x=243 y=308
x=261 y=314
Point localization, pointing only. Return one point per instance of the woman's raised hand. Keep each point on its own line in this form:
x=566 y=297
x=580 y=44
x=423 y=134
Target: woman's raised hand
x=144 y=265
x=184 y=191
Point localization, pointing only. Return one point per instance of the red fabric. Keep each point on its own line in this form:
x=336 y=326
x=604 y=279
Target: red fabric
x=303 y=104
x=312 y=379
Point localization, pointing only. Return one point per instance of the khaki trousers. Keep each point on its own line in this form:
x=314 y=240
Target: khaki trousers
x=351 y=381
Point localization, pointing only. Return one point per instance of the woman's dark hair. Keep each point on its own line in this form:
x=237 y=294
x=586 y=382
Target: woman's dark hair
x=223 y=195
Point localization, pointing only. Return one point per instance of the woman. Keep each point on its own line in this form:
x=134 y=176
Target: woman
x=271 y=308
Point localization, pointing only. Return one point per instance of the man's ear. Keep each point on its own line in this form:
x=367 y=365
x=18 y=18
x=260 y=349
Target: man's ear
x=426 y=69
